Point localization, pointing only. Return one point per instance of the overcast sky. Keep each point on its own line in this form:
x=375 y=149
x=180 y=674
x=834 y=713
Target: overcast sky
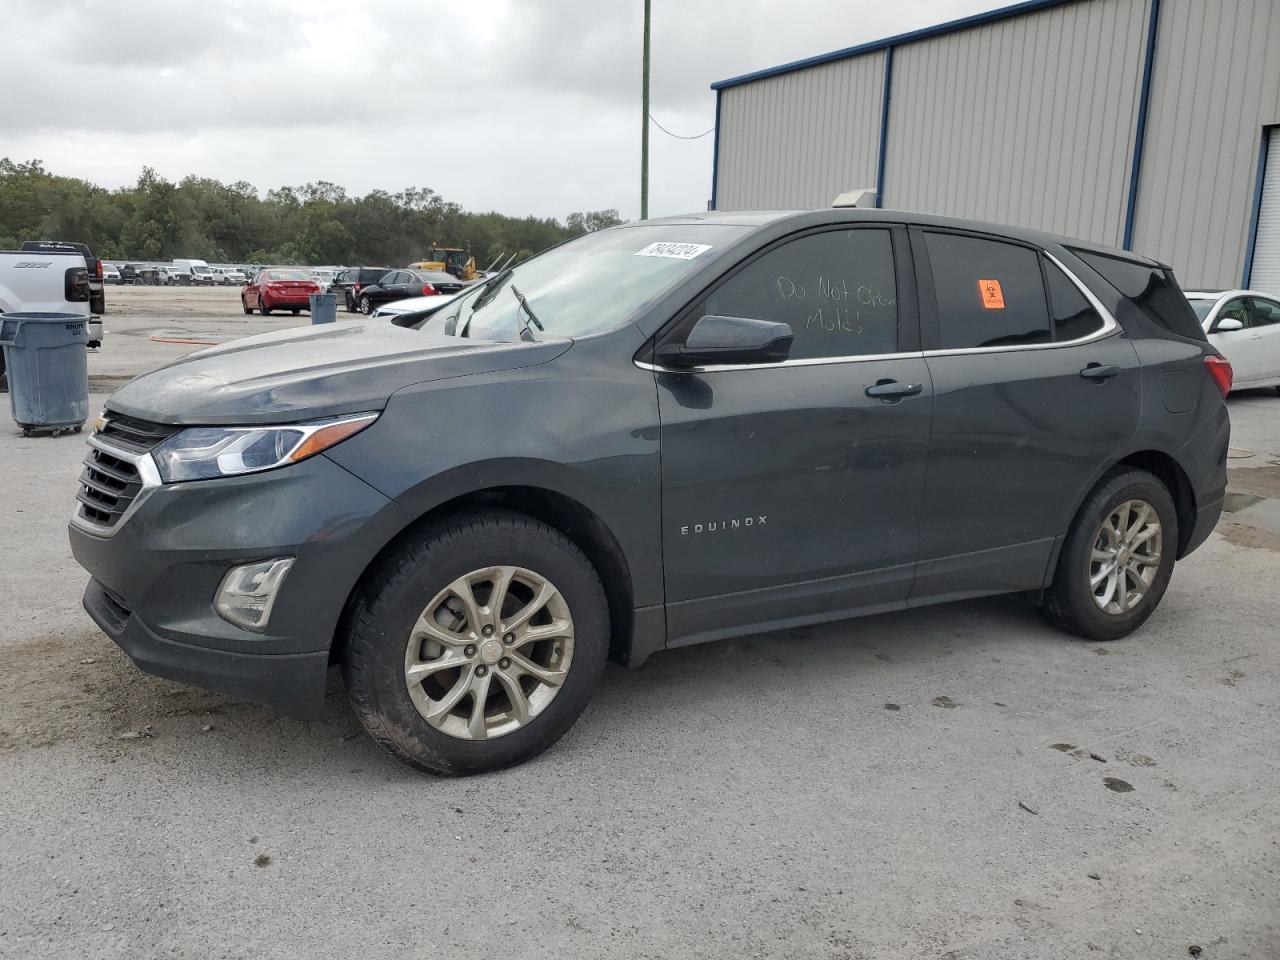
x=522 y=106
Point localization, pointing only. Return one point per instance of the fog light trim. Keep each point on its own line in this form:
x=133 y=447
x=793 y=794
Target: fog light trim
x=248 y=592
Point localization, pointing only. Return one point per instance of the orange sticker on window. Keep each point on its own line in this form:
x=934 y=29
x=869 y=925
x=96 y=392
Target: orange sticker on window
x=992 y=295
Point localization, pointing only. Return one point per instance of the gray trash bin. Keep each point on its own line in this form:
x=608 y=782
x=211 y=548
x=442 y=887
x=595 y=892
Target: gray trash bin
x=48 y=371
x=324 y=307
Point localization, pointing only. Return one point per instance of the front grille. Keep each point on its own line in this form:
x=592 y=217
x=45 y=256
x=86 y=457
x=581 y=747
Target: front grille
x=135 y=435
x=108 y=484
x=111 y=480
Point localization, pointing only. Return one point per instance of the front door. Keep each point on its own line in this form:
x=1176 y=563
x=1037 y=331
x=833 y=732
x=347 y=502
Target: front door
x=1034 y=391
x=790 y=494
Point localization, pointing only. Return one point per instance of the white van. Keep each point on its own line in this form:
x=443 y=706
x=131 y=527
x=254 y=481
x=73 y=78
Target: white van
x=199 y=269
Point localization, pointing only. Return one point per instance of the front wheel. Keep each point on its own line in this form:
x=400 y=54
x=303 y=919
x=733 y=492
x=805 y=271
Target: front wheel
x=1117 y=559
x=498 y=663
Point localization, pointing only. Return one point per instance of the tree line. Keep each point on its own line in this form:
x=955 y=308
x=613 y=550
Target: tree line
x=316 y=223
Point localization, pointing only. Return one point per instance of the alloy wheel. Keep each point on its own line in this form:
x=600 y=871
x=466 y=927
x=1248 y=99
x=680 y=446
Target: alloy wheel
x=1125 y=557
x=489 y=653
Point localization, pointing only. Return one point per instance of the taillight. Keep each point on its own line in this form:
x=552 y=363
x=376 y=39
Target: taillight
x=1220 y=371
x=428 y=290
x=355 y=288
x=99 y=269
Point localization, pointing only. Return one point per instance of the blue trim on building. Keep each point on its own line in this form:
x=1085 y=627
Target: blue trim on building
x=884 y=123
x=1256 y=214
x=1140 y=134
x=991 y=16
x=715 y=155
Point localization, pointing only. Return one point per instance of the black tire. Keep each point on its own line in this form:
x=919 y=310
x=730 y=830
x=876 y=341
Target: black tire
x=244 y=306
x=383 y=614
x=366 y=306
x=351 y=304
x=295 y=310
x=1069 y=602
x=262 y=306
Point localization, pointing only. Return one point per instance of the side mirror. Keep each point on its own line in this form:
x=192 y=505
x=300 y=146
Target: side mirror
x=715 y=339
x=1227 y=324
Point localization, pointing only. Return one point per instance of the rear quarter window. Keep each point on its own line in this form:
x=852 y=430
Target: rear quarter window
x=1153 y=290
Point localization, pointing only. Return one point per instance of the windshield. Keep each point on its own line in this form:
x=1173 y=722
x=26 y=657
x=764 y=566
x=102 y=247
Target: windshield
x=1201 y=307
x=591 y=284
x=288 y=275
x=201 y=270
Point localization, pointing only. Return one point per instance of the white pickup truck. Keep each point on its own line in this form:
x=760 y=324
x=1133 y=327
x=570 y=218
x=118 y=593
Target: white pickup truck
x=46 y=282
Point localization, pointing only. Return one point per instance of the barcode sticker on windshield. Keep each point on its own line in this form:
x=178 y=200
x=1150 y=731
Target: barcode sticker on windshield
x=679 y=251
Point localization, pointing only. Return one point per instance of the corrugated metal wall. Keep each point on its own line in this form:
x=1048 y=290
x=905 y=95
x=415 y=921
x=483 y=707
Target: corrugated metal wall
x=799 y=139
x=1216 y=84
x=1027 y=121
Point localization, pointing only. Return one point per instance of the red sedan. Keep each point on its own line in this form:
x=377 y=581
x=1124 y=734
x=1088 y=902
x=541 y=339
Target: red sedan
x=278 y=289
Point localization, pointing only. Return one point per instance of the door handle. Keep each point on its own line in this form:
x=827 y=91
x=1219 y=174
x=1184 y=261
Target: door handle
x=1096 y=371
x=891 y=390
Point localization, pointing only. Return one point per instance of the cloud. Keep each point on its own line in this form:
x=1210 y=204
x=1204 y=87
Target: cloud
x=528 y=107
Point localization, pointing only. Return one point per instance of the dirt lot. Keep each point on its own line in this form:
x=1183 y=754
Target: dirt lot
x=955 y=782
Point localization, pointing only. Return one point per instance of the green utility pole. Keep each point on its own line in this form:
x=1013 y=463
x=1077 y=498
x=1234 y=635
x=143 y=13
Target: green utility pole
x=644 y=128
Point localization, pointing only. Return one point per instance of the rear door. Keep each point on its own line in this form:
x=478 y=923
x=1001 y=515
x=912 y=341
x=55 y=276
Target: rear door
x=1036 y=388
x=790 y=495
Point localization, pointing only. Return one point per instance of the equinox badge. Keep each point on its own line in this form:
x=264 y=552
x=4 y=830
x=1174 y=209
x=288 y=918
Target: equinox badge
x=717 y=526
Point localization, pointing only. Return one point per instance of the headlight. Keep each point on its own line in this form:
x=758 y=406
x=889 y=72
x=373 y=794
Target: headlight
x=201 y=453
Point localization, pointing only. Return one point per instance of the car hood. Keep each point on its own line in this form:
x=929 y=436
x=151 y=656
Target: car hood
x=313 y=372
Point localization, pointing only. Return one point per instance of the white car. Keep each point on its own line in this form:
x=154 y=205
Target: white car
x=413 y=304
x=1245 y=327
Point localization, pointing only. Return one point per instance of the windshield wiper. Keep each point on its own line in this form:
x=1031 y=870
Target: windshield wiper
x=533 y=317
x=491 y=288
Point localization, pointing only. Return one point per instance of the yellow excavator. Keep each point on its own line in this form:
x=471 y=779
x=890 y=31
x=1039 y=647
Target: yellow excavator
x=453 y=260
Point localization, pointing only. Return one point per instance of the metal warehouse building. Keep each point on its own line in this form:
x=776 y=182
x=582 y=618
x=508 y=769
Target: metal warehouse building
x=1142 y=124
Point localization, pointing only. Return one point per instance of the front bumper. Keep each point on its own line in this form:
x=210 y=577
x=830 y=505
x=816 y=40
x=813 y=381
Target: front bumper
x=291 y=683
x=155 y=576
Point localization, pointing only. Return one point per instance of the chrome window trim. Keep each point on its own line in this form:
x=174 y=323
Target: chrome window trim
x=148 y=475
x=805 y=362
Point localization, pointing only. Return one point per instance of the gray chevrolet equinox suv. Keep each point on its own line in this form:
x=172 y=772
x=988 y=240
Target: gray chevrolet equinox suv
x=653 y=436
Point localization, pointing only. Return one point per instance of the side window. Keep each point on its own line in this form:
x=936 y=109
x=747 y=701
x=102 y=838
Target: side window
x=1265 y=312
x=836 y=289
x=1073 y=315
x=989 y=293
x=1152 y=289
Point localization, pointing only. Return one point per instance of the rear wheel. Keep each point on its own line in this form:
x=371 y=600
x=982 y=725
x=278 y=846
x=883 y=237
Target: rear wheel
x=245 y=307
x=366 y=306
x=1117 y=560
x=262 y=306
x=351 y=304
x=294 y=310
x=477 y=644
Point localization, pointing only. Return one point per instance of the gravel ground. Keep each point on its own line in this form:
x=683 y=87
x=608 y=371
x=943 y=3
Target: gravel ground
x=956 y=782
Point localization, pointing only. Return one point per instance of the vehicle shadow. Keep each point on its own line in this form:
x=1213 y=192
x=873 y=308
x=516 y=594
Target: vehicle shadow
x=81 y=688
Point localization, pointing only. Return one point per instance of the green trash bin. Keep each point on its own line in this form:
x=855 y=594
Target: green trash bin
x=324 y=307
x=47 y=369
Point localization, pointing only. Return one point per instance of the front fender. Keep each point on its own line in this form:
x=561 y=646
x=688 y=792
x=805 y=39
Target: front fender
x=585 y=428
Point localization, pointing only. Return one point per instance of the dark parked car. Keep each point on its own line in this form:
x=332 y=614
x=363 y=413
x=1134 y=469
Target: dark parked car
x=138 y=274
x=97 y=287
x=349 y=282
x=652 y=436
x=279 y=288
x=402 y=284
